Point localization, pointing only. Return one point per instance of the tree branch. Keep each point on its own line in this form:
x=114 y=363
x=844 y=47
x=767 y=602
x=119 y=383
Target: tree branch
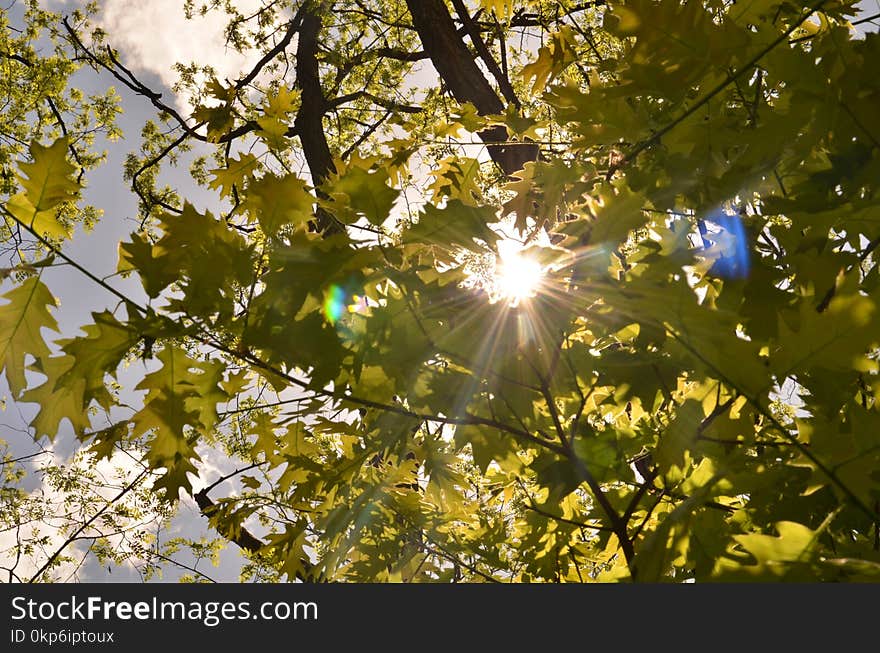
x=382 y=102
x=292 y=27
x=243 y=538
x=618 y=525
x=464 y=79
x=474 y=34
x=131 y=82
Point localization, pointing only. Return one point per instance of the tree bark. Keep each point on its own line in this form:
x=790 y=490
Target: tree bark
x=460 y=73
x=310 y=118
x=309 y=124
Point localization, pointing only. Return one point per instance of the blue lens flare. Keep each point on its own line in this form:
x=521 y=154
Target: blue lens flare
x=731 y=247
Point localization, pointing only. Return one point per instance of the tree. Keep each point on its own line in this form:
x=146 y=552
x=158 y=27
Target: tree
x=689 y=389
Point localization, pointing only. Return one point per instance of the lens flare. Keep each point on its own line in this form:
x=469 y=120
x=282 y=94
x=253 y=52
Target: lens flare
x=517 y=278
x=731 y=243
x=334 y=304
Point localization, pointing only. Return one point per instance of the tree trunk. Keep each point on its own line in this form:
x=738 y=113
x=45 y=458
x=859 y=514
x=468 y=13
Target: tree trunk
x=460 y=73
x=310 y=118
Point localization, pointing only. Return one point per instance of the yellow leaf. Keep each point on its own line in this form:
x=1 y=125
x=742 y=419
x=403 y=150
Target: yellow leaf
x=47 y=182
x=552 y=59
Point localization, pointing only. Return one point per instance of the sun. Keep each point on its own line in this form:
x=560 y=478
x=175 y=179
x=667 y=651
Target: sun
x=517 y=277
x=512 y=275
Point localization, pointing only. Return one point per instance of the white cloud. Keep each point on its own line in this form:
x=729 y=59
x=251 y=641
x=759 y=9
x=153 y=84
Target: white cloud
x=51 y=513
x=154 y=36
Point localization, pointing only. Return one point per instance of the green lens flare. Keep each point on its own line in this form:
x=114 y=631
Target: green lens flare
x=334 y=304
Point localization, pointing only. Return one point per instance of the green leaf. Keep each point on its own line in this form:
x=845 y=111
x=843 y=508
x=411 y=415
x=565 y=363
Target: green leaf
x=456 y=225
x=273 y=131
x=57 y=402
x=104 y=441
x=324 y=272
x=198 y=382
x=358 y=192
x=181 y=403
x=836 y=339
x=552 y=59
x=207 y=257
x=667 y=546
x=234 y=175
x=219 y=120
x=279 y=202
x=680 y=436
x=47 y=180
x=250 y=482
x=783 y=556
x=20 y=323
x=456 y=178
x=98 y=353
x=47 y=184
x=282 y=102
x=615 y=214
x=849 y=446
x=289 y=548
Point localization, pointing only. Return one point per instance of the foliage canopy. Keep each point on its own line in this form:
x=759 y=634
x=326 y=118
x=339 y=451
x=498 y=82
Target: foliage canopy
x=689 y=392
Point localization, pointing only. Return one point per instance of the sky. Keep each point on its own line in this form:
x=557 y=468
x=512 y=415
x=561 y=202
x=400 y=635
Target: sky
x=151 y=53
x=151 y=37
